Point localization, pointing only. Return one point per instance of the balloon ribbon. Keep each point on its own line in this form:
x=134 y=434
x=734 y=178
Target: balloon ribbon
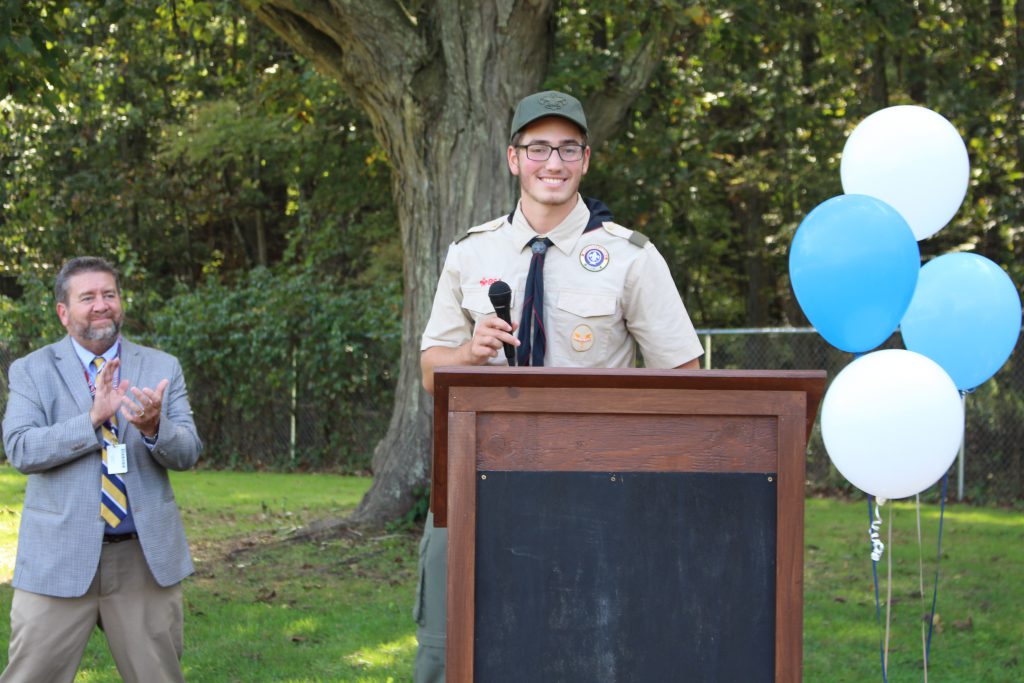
x=938 y=557
x=877 y=549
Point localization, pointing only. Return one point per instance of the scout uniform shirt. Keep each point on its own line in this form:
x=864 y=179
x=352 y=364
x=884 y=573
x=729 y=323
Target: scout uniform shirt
x=602 y=291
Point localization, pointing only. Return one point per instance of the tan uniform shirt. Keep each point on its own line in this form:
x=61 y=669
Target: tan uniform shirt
x=602 y=292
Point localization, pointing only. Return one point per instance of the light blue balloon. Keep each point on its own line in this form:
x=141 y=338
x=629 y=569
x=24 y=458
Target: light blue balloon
x=965 y=316
x=854 y=263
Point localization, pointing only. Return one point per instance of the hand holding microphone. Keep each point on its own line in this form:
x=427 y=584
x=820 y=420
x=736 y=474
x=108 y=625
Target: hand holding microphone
x=500 y=295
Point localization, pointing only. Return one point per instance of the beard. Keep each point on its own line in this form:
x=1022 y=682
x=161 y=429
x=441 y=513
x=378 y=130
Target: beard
x=100 y=334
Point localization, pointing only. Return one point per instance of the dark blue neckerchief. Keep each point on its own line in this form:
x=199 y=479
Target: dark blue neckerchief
x=532 y=337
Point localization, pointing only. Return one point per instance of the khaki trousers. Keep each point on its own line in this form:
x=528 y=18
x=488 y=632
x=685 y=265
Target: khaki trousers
x=143 y=623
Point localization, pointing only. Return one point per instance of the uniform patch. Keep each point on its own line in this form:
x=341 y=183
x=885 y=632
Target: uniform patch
x=582 y=338
x=594 y=258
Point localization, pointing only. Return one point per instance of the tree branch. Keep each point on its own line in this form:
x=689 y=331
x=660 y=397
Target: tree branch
x=371 y=47
x=607 y=108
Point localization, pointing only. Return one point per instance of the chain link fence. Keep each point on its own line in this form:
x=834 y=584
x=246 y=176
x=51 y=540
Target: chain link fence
x=989 y=471
x=286 y=431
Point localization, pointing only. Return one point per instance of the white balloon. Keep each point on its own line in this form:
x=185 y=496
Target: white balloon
x=892 y=422
x=912 y=159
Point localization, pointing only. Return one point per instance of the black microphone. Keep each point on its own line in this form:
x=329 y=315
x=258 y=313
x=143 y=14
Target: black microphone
x=500 y=295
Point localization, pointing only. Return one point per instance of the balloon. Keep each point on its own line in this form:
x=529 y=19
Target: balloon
x=911 y=158
x=892 y=422
x=965 y=315
x=854 y=264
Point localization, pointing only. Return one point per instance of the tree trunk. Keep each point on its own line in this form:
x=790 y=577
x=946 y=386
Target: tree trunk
x=439 y=87
x=1018 y=81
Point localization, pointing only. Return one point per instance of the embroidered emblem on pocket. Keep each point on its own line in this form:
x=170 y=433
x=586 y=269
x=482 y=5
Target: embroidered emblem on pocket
x=582 y=338
x=594 y=258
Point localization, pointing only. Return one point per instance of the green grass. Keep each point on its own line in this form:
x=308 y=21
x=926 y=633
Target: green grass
x=258 y=610
x=978 y=634
x=339 y=610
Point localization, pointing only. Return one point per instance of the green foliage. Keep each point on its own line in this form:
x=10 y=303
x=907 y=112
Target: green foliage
x=246 y=205
x=189 y=145
x=281 y=343
x=31 y=56
x=188 y=142
x=31 y=320
x=741 y=132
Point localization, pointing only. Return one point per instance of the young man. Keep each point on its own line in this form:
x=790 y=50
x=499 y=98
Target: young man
x=101 y=540
x=585 y=293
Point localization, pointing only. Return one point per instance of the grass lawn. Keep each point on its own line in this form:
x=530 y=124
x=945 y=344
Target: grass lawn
x=978 y=634
x=340 y=610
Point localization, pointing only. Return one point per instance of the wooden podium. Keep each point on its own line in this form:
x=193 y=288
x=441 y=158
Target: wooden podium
x=623 y=525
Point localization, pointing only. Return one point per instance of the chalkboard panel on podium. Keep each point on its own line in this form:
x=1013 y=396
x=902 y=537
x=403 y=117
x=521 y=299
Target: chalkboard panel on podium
x=610 y=525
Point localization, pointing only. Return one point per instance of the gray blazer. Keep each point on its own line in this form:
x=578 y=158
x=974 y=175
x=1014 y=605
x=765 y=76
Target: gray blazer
x=48 y=436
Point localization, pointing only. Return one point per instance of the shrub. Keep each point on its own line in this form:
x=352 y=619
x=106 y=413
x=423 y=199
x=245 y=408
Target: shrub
x=286 y=369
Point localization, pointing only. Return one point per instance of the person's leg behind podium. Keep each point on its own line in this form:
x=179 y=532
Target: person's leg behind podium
x=430 y=610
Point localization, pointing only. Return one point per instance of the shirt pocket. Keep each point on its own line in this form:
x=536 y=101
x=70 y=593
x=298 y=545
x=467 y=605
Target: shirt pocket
x=587 y=304
x=476 y=301
x=582 y=326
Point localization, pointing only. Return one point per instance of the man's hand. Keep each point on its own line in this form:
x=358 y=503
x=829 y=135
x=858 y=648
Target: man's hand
x=144 y=410
x=108 y=399
x=489 y=335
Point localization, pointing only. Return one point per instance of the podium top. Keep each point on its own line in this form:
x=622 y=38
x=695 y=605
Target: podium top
x=497 y=375
x=811 y=382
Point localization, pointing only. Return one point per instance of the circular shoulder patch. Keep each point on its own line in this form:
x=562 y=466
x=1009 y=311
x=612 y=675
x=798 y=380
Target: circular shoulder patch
x=594 y=258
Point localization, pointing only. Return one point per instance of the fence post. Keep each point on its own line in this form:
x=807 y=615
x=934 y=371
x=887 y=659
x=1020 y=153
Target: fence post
x=707 y=351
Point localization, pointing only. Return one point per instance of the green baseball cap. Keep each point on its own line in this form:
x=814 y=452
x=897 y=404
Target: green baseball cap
x=548 y=103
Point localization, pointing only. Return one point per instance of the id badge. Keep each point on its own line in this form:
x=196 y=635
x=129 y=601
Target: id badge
x=117 y=459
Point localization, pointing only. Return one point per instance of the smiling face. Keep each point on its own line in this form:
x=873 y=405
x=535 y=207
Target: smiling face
x=548 y=187
x=92 y=314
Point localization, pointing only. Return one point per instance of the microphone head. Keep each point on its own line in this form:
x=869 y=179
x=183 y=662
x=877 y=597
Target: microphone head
x=500 y=294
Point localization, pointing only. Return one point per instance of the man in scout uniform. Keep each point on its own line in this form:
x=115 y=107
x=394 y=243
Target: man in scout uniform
x=585 y=293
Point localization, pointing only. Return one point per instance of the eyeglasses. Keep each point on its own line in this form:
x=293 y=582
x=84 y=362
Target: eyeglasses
x=539 y=152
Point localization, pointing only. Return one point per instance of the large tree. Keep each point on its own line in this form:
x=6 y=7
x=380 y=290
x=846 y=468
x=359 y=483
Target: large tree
x=439 y=81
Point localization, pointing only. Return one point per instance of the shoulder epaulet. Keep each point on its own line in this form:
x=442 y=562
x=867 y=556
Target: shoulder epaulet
x=483 y=227
x=635 y=238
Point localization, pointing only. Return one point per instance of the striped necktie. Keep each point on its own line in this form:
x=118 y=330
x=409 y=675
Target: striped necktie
x=531 y=324
x=113 y=493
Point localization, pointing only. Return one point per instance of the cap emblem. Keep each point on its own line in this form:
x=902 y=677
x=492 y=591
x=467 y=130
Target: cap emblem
x=553 y=102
